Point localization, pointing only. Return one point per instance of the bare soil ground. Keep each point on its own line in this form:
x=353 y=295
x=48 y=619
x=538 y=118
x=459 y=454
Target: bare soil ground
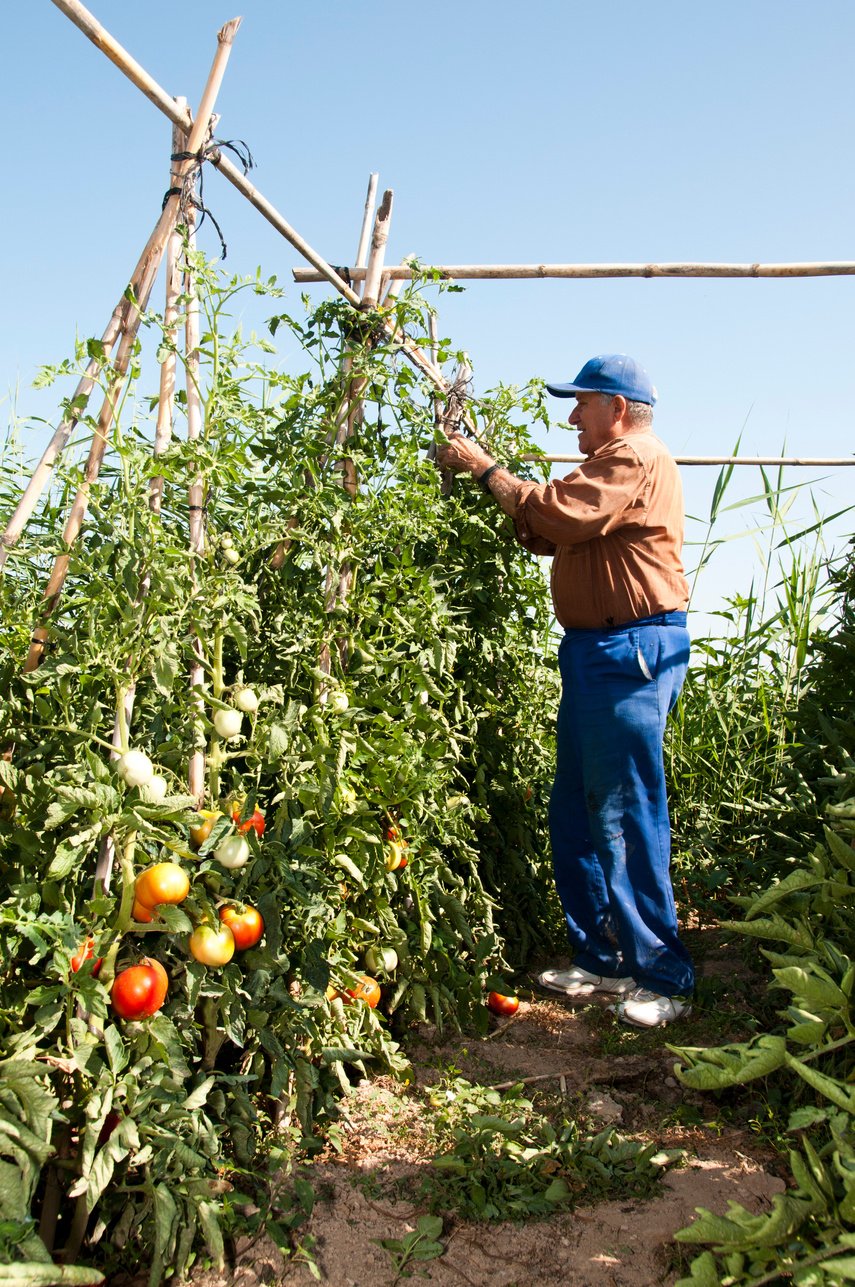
x=601 y=1073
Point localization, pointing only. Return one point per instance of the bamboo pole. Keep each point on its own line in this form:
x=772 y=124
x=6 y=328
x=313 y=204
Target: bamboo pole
x=196 y=498
x=150 y=262
x=528 y=272
x=367 y=216
x=813 y=462
x=166 y=393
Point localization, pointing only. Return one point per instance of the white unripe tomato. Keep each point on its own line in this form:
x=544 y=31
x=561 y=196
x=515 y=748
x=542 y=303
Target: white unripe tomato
x=233 y=852
x=135 y=768
x=338 y=702
x=231 y=556
x=154 y=791
x=380 y=959
x=227 y=723
x=246 y=699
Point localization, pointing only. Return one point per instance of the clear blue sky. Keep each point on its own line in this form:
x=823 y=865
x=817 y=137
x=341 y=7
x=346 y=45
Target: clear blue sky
x=548 y=132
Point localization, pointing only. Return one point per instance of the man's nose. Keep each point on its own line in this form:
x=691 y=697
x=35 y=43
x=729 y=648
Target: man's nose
x=573 y=417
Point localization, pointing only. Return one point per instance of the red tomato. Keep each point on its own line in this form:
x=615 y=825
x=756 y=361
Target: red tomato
x=501 y=1004
x=84 y=953
x=255 y=823
x=140 y=990
x=367 y=990
x=165 y=882
x=246 y=926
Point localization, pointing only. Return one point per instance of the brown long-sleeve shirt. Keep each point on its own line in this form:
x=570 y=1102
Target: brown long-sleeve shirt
x=615 y=527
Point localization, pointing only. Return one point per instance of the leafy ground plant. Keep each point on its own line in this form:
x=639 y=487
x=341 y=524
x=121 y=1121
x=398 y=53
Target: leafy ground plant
x=506 y=1160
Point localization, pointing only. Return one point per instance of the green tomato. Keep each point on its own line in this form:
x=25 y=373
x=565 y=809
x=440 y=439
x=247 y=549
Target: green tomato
x=154 y=791
x=381 y=959
x=227 y=724
x=246 y=699
x=233 y=852
x=135 y=769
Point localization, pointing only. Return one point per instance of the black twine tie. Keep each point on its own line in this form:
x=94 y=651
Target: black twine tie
x=186 y=193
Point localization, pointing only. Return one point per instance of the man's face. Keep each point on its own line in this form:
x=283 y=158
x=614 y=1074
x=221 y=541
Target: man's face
x=595 y=418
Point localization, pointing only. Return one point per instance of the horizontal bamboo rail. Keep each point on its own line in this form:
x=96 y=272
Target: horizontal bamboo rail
x=527 y=272
x=811 y=461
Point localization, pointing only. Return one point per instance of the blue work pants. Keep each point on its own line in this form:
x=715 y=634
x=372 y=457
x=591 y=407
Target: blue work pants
x=608 y=814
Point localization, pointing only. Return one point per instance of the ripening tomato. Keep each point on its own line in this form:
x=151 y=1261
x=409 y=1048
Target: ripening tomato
x=395 y=856
x=212 y=946
x=85 y=953
x=500 y=1004
x=246 y=926
x=254 y=823
x=140 y=913
x=165 y=882
x=367 y=990
x=140 y=990
x=198 y=835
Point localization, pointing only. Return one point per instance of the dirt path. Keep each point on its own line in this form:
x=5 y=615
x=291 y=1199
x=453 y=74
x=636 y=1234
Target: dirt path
x=583 y=1066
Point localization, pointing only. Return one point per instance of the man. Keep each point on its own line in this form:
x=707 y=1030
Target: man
x=615 y=529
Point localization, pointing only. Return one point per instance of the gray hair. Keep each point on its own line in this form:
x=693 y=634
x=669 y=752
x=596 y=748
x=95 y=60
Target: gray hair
x=638 y=414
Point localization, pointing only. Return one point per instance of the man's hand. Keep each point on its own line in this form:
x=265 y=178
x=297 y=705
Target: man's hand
x=463 y=455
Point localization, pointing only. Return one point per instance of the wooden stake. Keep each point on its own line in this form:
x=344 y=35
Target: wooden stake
x=166 y=398
x=196 y=495
x=527 y=272
x=367 y=216
x=149 y=263
x=815 y=462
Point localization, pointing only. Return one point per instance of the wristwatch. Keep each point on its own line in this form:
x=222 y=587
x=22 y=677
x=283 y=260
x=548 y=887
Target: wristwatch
x=484 y=479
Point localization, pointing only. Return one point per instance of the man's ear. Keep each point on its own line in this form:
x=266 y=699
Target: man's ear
x=619 y=406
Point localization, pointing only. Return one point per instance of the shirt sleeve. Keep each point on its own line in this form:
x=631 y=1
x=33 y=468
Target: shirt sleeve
x=604 y=493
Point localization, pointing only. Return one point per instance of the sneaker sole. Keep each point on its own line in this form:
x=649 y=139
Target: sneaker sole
x=584 y=990
x=648 y=1027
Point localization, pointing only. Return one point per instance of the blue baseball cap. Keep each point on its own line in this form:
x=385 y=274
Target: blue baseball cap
x=610 y=373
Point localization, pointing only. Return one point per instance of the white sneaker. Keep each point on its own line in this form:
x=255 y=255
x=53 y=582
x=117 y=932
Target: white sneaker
x=577 y=982
x=645 y=1009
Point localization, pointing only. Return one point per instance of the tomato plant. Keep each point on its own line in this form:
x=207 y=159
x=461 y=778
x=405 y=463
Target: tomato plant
x=247 y=925
x=414 y=693
x=140 y=990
